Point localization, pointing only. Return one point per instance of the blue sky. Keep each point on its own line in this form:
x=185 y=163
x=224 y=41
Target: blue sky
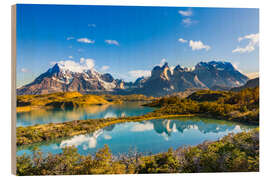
x=128 y=41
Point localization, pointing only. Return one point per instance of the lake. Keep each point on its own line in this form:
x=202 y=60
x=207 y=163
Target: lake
x=147 y=136
x=43 y=116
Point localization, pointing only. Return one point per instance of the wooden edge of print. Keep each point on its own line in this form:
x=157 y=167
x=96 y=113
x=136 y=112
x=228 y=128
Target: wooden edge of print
x=13 y=89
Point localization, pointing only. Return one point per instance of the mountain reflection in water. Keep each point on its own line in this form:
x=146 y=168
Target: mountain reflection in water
x=147 y=136
x=43 y=116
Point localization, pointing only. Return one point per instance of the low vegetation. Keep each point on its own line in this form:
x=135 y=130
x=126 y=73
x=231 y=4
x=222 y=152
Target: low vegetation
x=72 y=100
x=239 y=106
x=233 y=153
x=127 y=98
x=58 y=100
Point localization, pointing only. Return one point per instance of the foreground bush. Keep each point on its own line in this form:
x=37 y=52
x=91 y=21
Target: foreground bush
x=233 y=153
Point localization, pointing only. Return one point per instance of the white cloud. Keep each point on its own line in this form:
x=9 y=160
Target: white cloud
x=90 y=140
x=112 y=42
x=126 y=76
x=52 y=63
x=162 y=62
x=24 y=70
x=235 y=64
x=198 y=45
x=86 y=40
x=185 y=13
x=253 y=41
x=165 y=136
x=188 y=21
x=139 y=73
x=85 y=64
x=253 y=75
x=142 y=127
x=92 y=25
x=182 y=40
x=110 y=115
x=106 y=136
x=70 y=38
x=104 y=68
x=82 y=60
x=79 y=140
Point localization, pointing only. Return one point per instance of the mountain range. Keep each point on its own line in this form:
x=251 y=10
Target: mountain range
x=163 y=80
x=252 y=83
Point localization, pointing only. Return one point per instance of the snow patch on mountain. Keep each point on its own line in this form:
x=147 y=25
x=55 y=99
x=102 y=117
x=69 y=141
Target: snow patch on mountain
x=84 y=65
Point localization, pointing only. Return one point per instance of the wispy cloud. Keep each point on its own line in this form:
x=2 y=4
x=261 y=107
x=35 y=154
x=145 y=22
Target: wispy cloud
x=162 y=62
x=253 y=41
x=104 y=68
x=253 y=75
x=139 y=73
x=182 y=40
x=70 y=57
x=24 y=70
x=70 y=38
x=86 y=40
x=92 y=25
x=142 y=127
x=107 y=137
x=112 y=42
x=186 y=13
x=188 y=22
x=198 y=45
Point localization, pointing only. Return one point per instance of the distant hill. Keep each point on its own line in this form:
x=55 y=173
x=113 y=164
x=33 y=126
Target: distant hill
x=250 y=84
x=220 y=88
x=185 y=93
x=58 y=100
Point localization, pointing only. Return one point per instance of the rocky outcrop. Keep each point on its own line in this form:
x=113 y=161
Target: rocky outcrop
x=219 y=73
x=204 y=75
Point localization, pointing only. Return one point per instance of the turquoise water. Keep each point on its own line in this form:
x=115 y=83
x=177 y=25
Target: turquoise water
x=42 y=116
x=148 y=136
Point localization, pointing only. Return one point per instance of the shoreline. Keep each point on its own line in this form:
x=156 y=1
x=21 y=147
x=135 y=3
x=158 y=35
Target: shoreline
x=39 y=133
x=22 y=109
x=53 y=131
x=66 y=100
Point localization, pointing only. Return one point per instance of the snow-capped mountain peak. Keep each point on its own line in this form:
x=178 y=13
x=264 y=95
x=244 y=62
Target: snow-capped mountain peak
x=82 y=77
x=64 y=77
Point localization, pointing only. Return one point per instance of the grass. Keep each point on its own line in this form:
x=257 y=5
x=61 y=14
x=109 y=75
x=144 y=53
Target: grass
x=72 y=100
